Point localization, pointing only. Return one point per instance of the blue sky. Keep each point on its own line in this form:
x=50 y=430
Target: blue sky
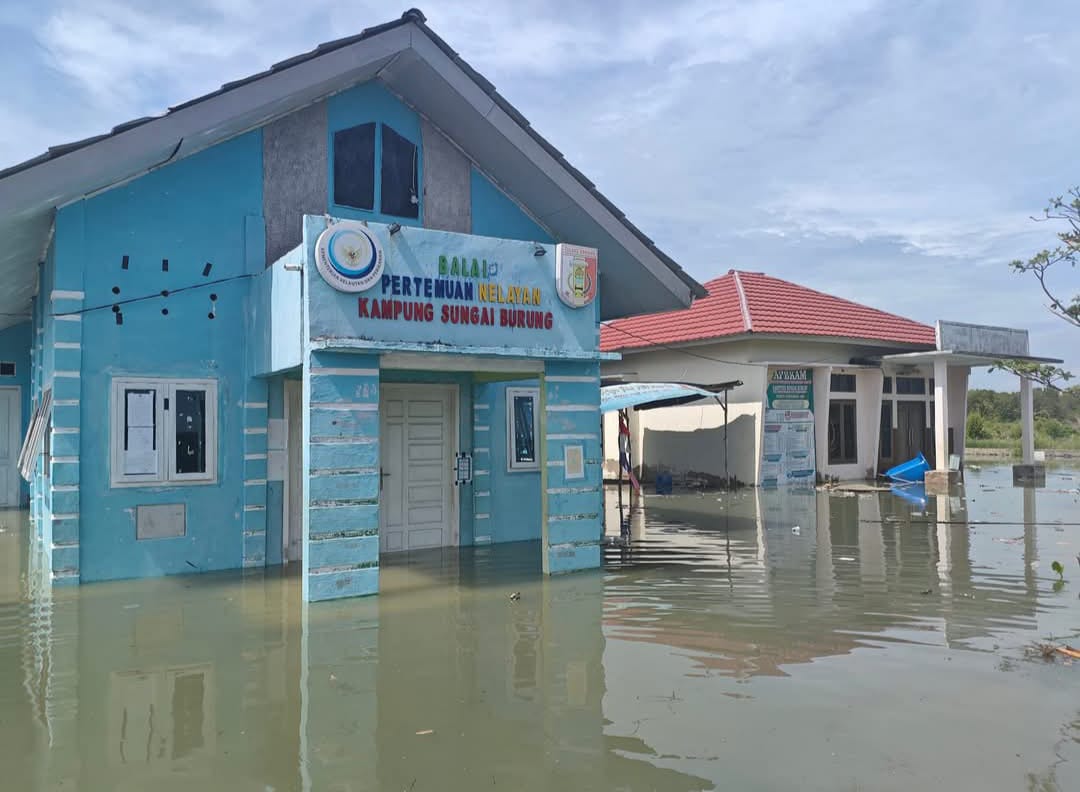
x=888 y=152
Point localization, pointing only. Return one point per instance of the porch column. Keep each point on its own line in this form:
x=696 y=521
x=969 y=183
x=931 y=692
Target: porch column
x=573 y=495
x=941 y=414
x=340 y=476
x=940 y=479
x=1027 y=422
x=1028 y=472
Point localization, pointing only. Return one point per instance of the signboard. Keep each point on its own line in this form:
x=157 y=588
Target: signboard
x=576 y=274
x=999 y=342
x=425 y=287
x=788 y=455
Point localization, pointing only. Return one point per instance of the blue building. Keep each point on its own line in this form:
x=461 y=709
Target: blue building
x=345 y=307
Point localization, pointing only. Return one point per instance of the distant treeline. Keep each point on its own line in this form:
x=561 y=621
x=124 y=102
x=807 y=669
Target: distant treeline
x=994 y=418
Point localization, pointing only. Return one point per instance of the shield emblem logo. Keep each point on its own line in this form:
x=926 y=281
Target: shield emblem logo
x=576 y=274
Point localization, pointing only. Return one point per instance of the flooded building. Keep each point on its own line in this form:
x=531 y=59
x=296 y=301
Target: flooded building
x=345 y=307
x=817 y=386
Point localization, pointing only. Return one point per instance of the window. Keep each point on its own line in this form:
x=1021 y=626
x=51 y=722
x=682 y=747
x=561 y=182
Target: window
x=399 y=172
x=842 y=383
x=7 y=369
x=911 y=386
x=886 y=385
x=164 y=432
x=521 y=406
x=885 y=450
x=354 y=167
x=355 y=158
x=843 y=449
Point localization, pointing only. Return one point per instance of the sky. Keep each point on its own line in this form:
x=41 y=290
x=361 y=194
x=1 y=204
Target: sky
x=892 y=153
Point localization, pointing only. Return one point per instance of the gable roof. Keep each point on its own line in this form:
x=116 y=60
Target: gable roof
x=743 y=303
x=416 y=65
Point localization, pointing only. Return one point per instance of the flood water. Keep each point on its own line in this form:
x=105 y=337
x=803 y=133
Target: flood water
x=758 y=641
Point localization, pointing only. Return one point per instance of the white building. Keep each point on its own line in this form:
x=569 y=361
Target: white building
x=827 y=387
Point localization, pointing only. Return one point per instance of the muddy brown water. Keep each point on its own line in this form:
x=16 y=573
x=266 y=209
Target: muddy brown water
x=881 y=645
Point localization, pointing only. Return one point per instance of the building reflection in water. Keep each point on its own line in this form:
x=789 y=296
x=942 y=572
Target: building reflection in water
x=636 y=677
x=229 y=682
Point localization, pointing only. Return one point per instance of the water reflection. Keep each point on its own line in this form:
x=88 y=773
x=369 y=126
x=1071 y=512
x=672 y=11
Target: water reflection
x=752 y=641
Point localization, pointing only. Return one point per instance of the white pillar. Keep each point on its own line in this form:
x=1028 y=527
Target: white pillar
x=1027 y=422
x=941 y=413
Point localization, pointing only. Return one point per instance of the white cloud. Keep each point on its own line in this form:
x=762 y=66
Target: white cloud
x=909 y=143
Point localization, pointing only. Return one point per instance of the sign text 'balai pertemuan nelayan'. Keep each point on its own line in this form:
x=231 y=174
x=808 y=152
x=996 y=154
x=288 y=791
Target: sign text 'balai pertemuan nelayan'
x=412 y=285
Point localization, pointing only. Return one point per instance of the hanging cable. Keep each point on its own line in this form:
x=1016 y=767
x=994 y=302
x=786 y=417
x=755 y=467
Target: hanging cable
x=156 y=295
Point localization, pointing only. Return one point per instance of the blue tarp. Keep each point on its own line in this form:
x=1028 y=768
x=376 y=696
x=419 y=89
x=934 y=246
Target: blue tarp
x=646 y=394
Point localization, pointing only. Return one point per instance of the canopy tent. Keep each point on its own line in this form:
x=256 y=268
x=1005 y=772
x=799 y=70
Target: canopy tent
x=651 y=395
x=623 y=396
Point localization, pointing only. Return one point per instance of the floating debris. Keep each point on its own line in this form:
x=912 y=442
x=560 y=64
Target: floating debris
x=515 y=596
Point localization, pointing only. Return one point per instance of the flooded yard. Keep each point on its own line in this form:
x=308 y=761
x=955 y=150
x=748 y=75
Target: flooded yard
x=753 y=641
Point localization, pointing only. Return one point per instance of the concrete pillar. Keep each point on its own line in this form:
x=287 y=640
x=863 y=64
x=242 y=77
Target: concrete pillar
x=1028 y=472
x=941 y=413
x=1027 y=422
x=340 y=478
x=941 y=478
x=573 y=505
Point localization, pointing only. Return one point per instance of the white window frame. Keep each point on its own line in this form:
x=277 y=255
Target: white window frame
x=512 y=465
x=165 y=432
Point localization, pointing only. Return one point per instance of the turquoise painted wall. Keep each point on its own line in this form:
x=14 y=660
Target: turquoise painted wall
x=205 y=208
x=510 y=499
x=495 y=215
x=15 y=348
x=360 y=105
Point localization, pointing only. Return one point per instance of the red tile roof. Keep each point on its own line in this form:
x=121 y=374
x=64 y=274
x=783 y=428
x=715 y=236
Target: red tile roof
x=752 y=302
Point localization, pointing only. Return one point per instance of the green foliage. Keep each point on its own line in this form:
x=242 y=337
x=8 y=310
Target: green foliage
x=1059 y=569
x=994 y=419
x=976 y=426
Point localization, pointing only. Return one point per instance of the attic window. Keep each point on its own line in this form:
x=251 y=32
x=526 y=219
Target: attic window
x=399 y=174
x=354 y=167
x=358 y=153
x=7 y=369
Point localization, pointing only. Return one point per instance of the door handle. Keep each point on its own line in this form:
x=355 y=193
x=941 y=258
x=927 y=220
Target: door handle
x=382 y=475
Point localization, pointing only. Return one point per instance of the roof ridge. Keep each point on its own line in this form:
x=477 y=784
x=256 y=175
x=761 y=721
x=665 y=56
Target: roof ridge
x=838 y=298
x=748 y=324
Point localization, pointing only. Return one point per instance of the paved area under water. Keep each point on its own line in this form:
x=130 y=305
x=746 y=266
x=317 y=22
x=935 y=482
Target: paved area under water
x=755 y=641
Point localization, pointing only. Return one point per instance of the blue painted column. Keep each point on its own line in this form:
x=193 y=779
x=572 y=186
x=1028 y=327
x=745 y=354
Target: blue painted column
x=64 y=461
x=573 y=504
x=483 y=414
x=255 y=411
x=341 y=475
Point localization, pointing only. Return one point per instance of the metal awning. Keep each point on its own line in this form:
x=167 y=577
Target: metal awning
x=651 y=395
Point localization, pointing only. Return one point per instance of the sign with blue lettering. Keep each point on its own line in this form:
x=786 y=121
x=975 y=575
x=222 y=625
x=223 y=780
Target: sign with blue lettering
x=441 y=289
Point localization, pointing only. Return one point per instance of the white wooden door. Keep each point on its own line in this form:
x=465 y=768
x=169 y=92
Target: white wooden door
x=416 y=440
x=10 y=443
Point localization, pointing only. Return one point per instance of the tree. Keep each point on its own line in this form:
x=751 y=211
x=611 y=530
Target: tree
x=1063 y=209
x=976 y=426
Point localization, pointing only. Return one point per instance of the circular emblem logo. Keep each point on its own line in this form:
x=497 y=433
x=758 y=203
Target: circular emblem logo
x=349 y=257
